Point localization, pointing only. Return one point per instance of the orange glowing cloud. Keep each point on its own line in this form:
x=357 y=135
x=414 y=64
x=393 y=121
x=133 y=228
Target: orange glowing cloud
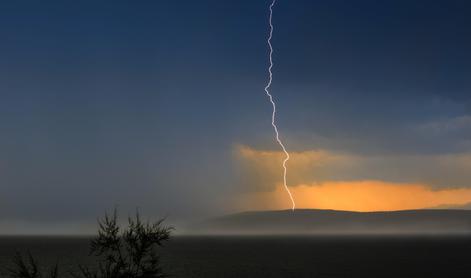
x=325 y=180
x=358 y=196
x=261 y=170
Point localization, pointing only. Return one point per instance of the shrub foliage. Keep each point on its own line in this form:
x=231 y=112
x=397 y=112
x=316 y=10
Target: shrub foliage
x=130 y=252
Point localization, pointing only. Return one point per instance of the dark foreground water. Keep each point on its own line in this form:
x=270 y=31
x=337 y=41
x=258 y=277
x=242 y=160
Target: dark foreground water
x=208 y=257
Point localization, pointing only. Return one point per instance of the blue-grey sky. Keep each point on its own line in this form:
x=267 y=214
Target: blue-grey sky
x=143 y=104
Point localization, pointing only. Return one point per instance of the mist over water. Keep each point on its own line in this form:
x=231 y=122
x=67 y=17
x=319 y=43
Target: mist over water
x=331 y=222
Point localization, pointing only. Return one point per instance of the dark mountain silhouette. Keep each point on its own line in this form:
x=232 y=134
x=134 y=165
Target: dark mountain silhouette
x=307 y=221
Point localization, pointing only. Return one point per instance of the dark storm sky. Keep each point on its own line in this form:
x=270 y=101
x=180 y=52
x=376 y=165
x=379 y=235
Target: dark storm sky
x=140 y=103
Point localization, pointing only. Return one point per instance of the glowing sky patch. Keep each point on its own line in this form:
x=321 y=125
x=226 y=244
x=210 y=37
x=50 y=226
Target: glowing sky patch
x=367 y=195
x=331 y=180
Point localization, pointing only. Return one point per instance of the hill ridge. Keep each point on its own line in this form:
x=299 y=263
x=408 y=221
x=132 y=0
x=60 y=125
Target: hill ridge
x=314 y=221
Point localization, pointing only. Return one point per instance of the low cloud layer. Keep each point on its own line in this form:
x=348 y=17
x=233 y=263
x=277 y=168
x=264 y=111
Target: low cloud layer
x=323 y=179
x=261 y=169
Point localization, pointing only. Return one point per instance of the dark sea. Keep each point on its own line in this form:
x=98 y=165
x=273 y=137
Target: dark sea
x=239 y=257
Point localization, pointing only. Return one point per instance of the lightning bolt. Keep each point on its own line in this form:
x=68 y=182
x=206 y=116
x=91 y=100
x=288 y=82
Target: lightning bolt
x=267 y=91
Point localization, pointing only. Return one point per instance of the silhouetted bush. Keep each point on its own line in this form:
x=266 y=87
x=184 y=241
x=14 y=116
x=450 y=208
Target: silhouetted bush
x=29 y=268
x=121 y=253
x=130 y=252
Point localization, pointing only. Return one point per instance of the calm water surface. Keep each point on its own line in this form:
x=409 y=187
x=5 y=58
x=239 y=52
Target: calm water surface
x=226 y=257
